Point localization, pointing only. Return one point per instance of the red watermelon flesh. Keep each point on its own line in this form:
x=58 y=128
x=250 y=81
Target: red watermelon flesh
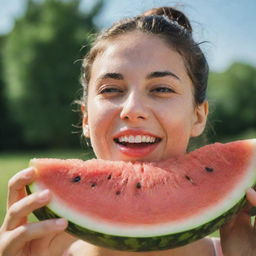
x=125 y=193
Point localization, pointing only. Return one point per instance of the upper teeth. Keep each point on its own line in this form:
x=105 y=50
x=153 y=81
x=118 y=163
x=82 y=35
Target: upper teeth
x=137 y=139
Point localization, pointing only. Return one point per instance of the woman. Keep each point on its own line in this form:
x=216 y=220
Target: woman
x=145 y=83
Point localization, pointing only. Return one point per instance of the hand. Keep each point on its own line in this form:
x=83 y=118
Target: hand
x=238 y=237
x=20 y=238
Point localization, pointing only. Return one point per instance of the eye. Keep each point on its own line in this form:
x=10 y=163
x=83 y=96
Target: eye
x=110 y=90
x=162 y=89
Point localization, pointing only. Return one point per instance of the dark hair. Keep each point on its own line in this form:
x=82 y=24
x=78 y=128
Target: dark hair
x=174 y=28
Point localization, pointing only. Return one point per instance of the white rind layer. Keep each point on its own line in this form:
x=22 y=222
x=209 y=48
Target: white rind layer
x=60 y=208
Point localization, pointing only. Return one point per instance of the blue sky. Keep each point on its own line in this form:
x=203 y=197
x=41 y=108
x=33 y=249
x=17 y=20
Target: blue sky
x=228 y=25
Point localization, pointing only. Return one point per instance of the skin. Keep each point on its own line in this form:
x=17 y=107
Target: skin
x=20 y=238
x=133 y=102
x=138 y=102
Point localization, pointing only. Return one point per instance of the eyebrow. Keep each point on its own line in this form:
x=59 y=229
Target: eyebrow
x=116 y=76
x=157 y=74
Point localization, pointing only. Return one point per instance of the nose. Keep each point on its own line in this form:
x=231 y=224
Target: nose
x=134 y=108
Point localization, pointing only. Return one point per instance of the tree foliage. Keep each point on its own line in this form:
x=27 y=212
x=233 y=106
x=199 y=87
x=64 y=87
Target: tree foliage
x=41 y=70
x=39 y=80
x=232 y=97
x=3 y=111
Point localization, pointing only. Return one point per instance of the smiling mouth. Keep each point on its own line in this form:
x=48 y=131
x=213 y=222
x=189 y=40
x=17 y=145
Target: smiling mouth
x=137 y=141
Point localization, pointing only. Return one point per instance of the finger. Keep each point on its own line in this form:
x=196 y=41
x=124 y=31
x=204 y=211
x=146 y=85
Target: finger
x=227 y=227
x=16 y=185
x=251 y=196
x=238 y=223
x=26 y=233
x=16 y=213
x=242 y=219
x=63 y=239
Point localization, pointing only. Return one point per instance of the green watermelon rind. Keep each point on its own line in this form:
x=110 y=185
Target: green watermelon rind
x=140 y=244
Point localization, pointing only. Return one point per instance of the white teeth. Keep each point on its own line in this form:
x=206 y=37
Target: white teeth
x=137 y=139
x=131 y=139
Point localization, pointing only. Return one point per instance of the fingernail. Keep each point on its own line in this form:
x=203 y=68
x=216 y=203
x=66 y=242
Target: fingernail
x=29 y=173
x=61 y=223
x=250 y=191
x=44 y=195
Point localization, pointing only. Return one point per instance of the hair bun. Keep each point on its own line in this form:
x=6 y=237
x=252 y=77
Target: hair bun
x=172 y=14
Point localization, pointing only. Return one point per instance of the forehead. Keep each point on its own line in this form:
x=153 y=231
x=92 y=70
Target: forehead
x=140 y=52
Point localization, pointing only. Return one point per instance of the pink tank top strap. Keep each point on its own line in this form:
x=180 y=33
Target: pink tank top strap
x=217 y=246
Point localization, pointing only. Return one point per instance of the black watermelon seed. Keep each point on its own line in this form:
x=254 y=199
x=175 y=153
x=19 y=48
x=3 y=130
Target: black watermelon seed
x=190 y=179
x=93 y=184
x=118 y=193
x=208 y=169
x=76 y=179
x=109 y=176
x=138 y=185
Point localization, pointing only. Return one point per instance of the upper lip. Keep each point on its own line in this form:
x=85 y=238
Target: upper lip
x=135 y=132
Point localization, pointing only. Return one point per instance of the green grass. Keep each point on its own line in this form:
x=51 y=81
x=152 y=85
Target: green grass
x=11 y=163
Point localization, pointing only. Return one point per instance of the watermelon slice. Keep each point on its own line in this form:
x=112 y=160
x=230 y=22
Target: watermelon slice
x=148 y=206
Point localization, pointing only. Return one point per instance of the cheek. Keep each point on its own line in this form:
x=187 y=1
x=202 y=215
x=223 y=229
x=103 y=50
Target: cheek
x=178 y=128
x=178 y=123
x=99 y=123
x=178 y=135
x=100 y=118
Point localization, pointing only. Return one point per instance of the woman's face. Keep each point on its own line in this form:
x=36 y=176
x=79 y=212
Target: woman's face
x=140 y=101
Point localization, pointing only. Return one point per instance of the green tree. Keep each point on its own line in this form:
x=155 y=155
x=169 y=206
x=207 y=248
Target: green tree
x=42 y=70
x=3 y=115
x=232 y=96
x=9 y=132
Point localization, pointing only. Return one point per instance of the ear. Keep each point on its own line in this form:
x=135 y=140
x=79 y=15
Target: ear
x=86 y=131
x=201 y=113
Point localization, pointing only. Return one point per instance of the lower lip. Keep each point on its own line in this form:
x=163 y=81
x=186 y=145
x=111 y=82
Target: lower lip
x=137 y=151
